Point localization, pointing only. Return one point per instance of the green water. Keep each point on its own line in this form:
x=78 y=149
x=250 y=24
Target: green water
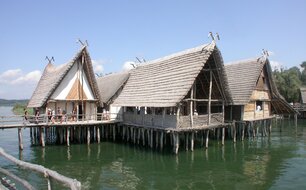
x=278 y=162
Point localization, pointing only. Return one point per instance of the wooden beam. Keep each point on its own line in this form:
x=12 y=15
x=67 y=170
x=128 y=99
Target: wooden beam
x=191 y=106
x=203 y=100
x=209 y=98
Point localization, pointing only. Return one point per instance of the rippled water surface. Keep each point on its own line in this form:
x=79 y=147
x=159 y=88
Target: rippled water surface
x=278 y=162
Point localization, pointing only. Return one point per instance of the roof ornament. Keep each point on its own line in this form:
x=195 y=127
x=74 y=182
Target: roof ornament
x=265 y=54
x=214 y=37
x=50 y=60
x=82 y=43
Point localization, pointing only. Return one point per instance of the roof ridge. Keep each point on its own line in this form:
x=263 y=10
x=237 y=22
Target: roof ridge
x=180 y=53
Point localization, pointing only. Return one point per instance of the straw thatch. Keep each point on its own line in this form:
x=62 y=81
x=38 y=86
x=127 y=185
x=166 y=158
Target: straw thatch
x=166 y=81
x=52 y=77
x=109 y=85
x=303 y=95
x=242 y=79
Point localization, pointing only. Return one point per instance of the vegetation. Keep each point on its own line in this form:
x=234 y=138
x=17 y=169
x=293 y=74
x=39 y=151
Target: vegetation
x=18 y=109
x=4 y=102
x=289 y=81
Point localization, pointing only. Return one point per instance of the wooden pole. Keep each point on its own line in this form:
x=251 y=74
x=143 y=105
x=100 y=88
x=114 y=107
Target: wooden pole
x=72 y=183
x=223 y=135
x=192 y=141
x=295 y=119
x=178 y=116
x=191 y=107
x=186 y=140
x=161 y=140
x=234 y=130
x=20 y=138
x=68 y=136
x=114 y=132
x=98 y=134
x=207 y=136
x=88 y=135
x=209 y=98
x=42 y=137
x=177 y=143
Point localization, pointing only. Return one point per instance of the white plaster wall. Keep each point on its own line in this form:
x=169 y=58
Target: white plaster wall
x=65 y=86
x=114 y=111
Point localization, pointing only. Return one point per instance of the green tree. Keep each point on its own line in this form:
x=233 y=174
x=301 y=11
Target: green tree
x=288 y=83
x=303 y=74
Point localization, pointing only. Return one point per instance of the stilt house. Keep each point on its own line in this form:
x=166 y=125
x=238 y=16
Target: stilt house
x=183 y=90
x=110 y=86
x=301 y=106
x=253 y=91
x=68 y=88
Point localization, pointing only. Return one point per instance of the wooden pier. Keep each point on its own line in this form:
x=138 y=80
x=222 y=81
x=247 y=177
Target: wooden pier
x=159 y=138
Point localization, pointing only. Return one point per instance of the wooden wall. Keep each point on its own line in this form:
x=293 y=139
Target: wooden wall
x=250 y=112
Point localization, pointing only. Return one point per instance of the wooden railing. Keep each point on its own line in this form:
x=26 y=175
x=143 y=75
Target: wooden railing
x=167 y=121
x=57 y=119
x=47 y=173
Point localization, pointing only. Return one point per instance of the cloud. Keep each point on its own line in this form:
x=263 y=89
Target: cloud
x=15 y=84
x=97 y=66
x=128 y=65
x=31 y=77
x=276 y=66
x=10 y=74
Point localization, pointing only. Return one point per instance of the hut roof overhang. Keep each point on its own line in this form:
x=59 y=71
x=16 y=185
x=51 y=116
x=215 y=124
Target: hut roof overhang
x=52 y=77
x=166 y=81
x=303 y=94
x=110 y=84
x=242 y=78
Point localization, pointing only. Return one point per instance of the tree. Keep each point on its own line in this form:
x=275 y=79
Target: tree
x=303 y=74
x=288 y=83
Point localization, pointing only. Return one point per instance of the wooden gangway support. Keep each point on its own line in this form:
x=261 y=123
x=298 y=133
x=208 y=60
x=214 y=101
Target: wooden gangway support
x=73 y=184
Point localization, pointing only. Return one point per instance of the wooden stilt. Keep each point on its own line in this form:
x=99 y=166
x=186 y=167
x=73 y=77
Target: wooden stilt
x=143 y=137
x=114 y=132
x=134 y=135
x=20 y=138
x=88 y=135
x=207 y=136
x=151 y=139
x=42 y=137
x=98 y=134
x=295 y=120
x=156 y=139
x=161 y=140
x=223 y=135
x=68 y=137
x=242 y=135
x=202 y=138
x=177 y=143
x=186 y=141
x=234 y=131
x=192 y=141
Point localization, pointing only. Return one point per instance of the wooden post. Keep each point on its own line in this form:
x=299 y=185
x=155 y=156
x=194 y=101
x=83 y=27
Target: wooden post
x=98 y=134
x=178 y=116
x=151 y=139
x=42 y=137
x=20 y=138
x=207 y=136
x=68 y=137
x=192 y=141
x=114 y=132
x=223 y=135
x=295 y=119
x=88 y=135
x=177 y=143
x=161 y=140
x=234 y=130
x=191 y=107
x=209 y=98
x=223 y=112
x=186 y=140
x=242 y=135
x=143 y=137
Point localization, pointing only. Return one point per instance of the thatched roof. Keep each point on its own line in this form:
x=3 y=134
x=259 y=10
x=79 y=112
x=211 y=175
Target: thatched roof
x=52 y=77
x=110 y=84
x=303 y=94
x=242 y=79
x=166 y=81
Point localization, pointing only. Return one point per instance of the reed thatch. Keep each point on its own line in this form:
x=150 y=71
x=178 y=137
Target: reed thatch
x=52 y=77
x=303 y=95
x=166 y=81
x=109 y=85
x=242 y=79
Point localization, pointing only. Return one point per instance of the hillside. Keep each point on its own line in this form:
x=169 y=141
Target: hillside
x=4 y=102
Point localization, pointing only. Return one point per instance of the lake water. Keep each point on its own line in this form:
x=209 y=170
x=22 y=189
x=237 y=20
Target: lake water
x=278 y=162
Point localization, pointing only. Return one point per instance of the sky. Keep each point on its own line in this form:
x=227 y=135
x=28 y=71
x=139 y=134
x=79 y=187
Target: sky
x=119 y=31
